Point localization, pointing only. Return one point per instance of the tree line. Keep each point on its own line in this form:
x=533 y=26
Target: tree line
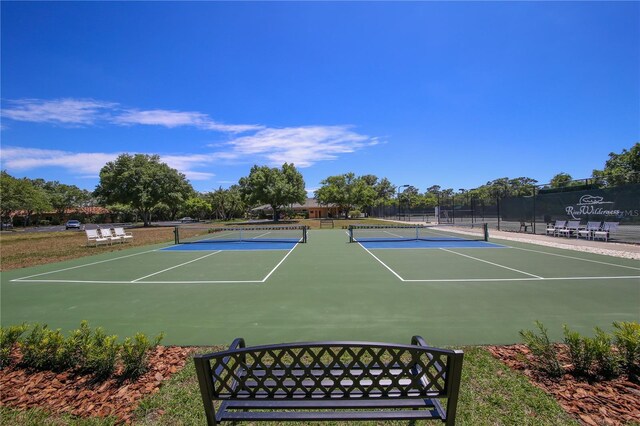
x=141 y=187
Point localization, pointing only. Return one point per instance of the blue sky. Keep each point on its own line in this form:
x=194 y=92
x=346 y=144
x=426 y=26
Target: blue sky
x=424 y=93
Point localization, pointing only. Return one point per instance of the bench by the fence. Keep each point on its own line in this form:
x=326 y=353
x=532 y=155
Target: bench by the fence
x=326 y=223
x=337 y=381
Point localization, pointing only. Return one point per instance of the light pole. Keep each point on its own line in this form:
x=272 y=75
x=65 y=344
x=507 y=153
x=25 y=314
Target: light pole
x=398 y=196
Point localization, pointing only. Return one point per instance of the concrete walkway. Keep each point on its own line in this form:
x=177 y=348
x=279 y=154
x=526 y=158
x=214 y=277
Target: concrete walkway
x=629 y=251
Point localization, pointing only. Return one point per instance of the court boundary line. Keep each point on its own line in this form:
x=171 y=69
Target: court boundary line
x=620 y=277
x=463 y=280
x=136 y=281
x=576 y=258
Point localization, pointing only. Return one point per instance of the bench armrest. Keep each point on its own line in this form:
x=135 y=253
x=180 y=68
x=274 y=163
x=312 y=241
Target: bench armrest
x=205 y=379
x=454 y=375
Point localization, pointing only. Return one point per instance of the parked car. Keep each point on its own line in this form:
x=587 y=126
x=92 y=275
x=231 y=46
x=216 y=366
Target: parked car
x=187 y=219
x=6 y=225
x=72 y=224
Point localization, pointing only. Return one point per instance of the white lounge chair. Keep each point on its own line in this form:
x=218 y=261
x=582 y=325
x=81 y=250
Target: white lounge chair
x=108 y=233
x=120 y=232
x=588 y=231
x=607 y=229
x=553 y=229
x=94 y=237
x=571 y=227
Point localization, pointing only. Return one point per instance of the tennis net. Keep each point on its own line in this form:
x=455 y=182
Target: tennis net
x=269 y=234
x=443 y=232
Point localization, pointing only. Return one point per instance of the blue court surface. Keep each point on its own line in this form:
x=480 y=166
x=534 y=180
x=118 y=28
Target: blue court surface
x=232 y=246
x=422 y=244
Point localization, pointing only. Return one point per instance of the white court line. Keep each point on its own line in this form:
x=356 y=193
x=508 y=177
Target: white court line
x=492 y=263
x=460 y=280
x=464 y=280
x=382 y=263
x=176 y=266
x=25 y=280
x=576 y=258
x=82 y=266
x=140 y=282
x=279 y=263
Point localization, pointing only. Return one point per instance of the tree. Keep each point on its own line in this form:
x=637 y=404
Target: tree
x=64 y=197
x=621 y=169
x=560 y=180
x=410 y=197
x=385 y=191
x=347 y=191
x=197 y=207
x=226 y=203
x=275 y=187
x=142 y=181
x=35 y=199
x=522 y=186
x=20 y=194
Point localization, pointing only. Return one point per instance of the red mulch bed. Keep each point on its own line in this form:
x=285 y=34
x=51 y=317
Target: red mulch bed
x=78 y=395
x=610 y=402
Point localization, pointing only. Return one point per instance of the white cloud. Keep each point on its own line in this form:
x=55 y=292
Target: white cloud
x=171 y=119
x=87 y=112
x=302 y=146
x=88 y=164
x=161 y=117
x=15 y=158
x=58 y=111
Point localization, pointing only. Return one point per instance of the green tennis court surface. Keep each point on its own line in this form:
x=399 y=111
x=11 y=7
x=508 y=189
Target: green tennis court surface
x=329 y=289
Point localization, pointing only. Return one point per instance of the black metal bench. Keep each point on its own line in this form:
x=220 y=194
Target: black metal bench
x=338 y=381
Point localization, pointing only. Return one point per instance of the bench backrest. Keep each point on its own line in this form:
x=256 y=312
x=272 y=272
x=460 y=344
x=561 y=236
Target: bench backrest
x=593 y=226
x=573 y=224
x=92 y=234
x=329 y=370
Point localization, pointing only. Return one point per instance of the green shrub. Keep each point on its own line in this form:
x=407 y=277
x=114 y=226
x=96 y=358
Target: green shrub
x=101 y=355
x=43 y=349
x=607 y=361
x=354 y=214
x=543 y=351
x=77 y=347
x=581 y=351
x=627 y=338
x=134 y=354
x=9 y=336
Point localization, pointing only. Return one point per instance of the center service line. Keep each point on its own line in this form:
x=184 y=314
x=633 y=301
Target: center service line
x=177 y=266
x=491 y=263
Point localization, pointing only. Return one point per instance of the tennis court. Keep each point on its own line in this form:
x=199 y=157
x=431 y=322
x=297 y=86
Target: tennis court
x=452 y=291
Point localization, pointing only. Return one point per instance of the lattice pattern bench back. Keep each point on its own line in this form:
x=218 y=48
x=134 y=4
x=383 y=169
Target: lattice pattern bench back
x=329 y=370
